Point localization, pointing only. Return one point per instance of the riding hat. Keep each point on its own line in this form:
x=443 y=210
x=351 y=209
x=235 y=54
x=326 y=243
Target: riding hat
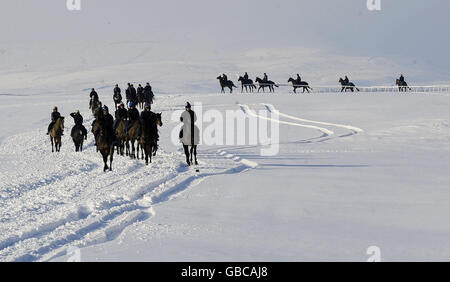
x=188 y=105
x=105 y=108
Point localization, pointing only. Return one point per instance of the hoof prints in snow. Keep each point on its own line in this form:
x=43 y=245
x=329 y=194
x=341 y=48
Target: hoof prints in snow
x=54 y=200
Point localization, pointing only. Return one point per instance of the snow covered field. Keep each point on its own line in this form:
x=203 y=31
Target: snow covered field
x=321 y=198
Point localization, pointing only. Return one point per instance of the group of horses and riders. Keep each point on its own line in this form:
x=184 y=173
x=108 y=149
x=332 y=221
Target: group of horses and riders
x=250 y=85
x=128 y=129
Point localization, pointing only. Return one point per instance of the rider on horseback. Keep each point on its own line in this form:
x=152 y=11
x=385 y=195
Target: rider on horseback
x=224 y=77
x=117 y=97
x=401 y=79
x=94 y=96
x=148 y=94
x=299 y=79
x=120 y=114
x=107 y=121
x=246 y=76
x=55 y=116
x=133 y=116
x=78 y=119
x=148 y=119
x=346 y=80
x=265 y=78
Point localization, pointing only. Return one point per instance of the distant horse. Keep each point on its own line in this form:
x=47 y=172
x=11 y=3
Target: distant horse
x=56 y=133
x=105 y=144
x=348 y=86
x=300 y=84
x=93 y=105
x=132 y=136
x=246 y=83
x=141 y=99
x=227 y=83
x=263 y=84
x=78 y=139
x=149 y=138
x=402 y=85
x=121 y=137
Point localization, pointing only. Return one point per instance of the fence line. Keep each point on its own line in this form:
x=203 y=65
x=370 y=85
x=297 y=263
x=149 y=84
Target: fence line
x=391 y=88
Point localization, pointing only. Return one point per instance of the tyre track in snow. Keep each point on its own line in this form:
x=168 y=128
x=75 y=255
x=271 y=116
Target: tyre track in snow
x=354 y=130
x=52 y=201
x=325 y=132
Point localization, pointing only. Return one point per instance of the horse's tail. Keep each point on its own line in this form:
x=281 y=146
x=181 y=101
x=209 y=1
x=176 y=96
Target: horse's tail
x=232 y=84
x=275 y=85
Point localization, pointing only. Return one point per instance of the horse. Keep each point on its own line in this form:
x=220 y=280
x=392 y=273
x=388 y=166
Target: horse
x=346 y=86
x=299 y=84
x=132 y=135
x=121 y=137
x=141 y=99
x=227 y=83
x=93 y=105
x=149 y=138
x=56 y=133
x=78 y=139
x=105 y=145
x=246 y=83
x=402 y=85
x=263 y=84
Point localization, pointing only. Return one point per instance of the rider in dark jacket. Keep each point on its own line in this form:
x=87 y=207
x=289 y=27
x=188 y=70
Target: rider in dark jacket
x=133 y=95
x=402 y=79
x=117 y=97
x=299 y=79
x=93 y=96
x=107 y=121
x=148 y=119
x=133 y=116
x=148 y=93
x=224 y=77
x=78 y=119
x=54 y=116
x=346 y=80
x=265 y=78
x=120 y=114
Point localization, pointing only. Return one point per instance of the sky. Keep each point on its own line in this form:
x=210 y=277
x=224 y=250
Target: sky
x=407 y=30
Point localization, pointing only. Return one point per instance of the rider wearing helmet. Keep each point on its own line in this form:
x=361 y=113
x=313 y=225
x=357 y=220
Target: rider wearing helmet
x=78 y=119
x=148 y=119
x=54 y=116
x=120 y=114
x=133 y=116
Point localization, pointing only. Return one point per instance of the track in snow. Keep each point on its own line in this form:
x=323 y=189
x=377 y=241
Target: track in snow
x=54 y=200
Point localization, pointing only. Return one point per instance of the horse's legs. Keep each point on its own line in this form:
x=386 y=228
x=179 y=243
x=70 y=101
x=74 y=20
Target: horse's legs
x=111 y=157
x=105 y=160
x=51 y=140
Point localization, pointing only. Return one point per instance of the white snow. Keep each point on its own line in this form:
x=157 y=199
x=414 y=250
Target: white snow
x=353 y=171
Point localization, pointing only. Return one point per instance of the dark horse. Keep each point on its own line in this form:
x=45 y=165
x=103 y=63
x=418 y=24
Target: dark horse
x=402 y=85
x=149 y=138
x=121 y=137
x=56 y=133
x=246 y=83
x=300 y=84
x=78 y=139
x=93 y=105
x=348 y=86
x=227 y=83
x=263 y=84
x=104 y=143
